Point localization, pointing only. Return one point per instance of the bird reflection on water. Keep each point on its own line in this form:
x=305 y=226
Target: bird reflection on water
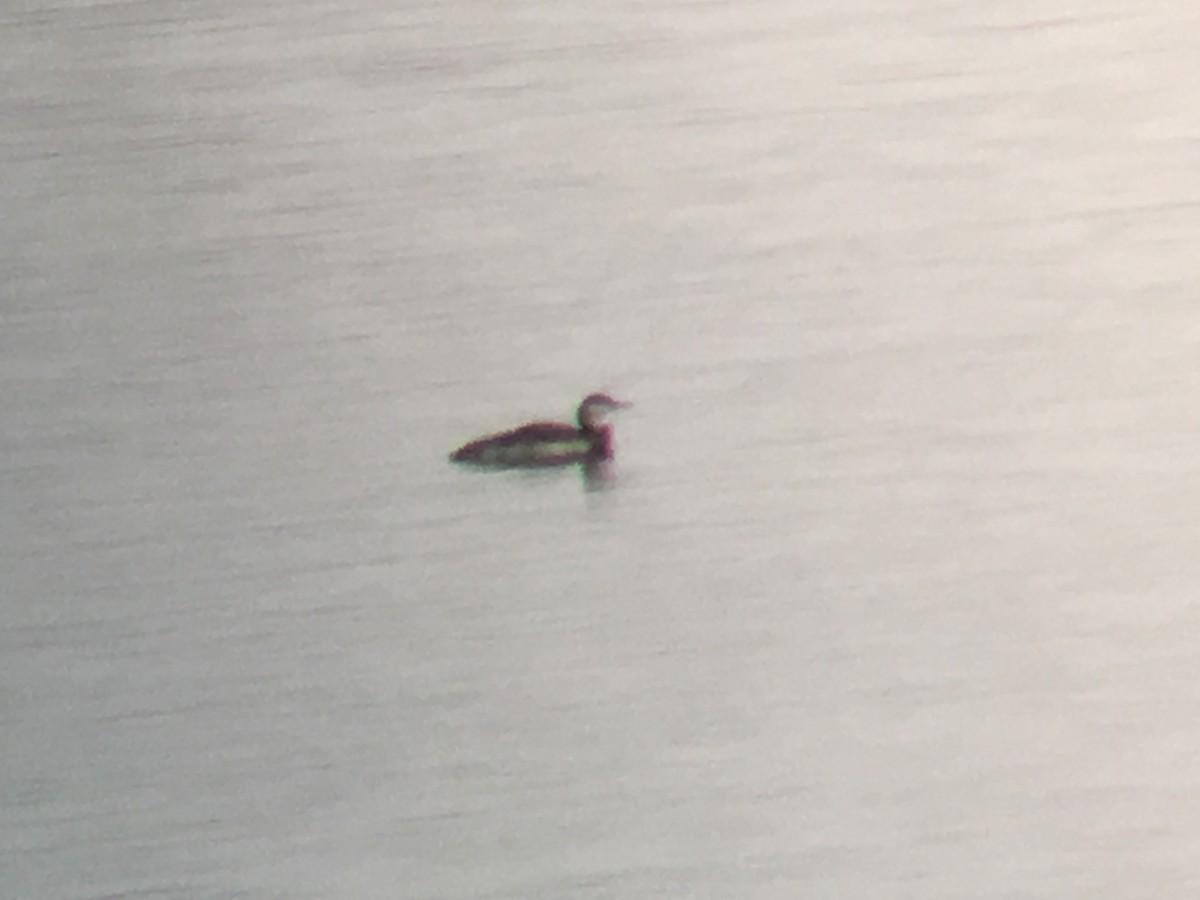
x=542 y=445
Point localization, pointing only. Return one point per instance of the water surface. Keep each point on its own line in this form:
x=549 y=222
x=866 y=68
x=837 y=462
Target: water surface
x=892 y=595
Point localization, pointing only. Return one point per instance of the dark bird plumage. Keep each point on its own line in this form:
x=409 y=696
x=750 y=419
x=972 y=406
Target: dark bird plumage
x=540 y=444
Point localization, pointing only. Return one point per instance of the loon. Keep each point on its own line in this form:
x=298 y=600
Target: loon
x=548 y=443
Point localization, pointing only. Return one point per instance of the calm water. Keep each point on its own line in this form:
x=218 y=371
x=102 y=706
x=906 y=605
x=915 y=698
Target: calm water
x=894 y=594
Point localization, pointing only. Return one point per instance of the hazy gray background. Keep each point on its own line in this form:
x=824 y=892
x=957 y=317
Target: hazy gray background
x=895 y=596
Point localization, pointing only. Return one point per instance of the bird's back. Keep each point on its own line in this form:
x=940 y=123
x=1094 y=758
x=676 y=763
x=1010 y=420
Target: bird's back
x=536 y=444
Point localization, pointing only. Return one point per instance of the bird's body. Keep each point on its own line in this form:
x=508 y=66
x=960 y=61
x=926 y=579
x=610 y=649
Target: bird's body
x=541 y=444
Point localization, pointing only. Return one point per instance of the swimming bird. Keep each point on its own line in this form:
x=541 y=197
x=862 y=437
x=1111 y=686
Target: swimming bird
x=540 y=444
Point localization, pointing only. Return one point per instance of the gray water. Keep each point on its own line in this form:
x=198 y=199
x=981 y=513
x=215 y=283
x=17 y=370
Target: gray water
x=893 y=594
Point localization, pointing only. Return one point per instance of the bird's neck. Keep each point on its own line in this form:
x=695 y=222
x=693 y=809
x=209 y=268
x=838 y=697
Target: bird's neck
x=601 y=436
